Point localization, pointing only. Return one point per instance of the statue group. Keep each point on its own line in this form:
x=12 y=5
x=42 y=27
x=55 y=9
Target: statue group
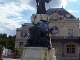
x=39 y=33
x=38 y=46
x=41 y=6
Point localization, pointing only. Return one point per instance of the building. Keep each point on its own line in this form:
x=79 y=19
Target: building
x=65 y=36
x=21 y=35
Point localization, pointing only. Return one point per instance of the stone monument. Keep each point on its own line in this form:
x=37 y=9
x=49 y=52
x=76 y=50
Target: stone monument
x=38 y=46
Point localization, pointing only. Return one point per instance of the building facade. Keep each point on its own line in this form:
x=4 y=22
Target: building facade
x=65 y=37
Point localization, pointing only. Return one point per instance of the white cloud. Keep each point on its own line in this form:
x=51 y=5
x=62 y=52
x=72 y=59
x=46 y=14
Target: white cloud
x=71 y=11
x=53 y=3
x=72 y=0
x=63 y=3
x=11 y=15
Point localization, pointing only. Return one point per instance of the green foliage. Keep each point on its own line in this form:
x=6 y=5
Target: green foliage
x=16 y=51
x=7 y=41
x=1 y=49
x=1 y=46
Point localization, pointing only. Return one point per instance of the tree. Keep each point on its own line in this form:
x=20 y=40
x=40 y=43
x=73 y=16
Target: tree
x=4 y=35
x=7 y=41
x=11 y=42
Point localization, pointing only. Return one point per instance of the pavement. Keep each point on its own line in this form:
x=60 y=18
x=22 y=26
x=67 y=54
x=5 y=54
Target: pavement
x=66 y=59
x=19 y=59
x=10 y=59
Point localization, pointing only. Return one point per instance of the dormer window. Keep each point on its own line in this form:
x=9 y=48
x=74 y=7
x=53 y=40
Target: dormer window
x=67 y=15
x=54 y=17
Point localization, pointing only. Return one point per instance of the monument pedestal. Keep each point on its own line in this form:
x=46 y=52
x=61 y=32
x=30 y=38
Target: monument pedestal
x=38 y=53
x=38 y=17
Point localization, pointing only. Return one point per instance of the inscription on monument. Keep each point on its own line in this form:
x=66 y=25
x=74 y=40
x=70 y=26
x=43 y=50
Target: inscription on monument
x=34 y=53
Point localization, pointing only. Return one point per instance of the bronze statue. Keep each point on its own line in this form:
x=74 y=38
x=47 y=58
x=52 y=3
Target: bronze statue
x=41 y=6
x=39 y=33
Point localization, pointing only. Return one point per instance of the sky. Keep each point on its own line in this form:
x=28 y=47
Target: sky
x=13 y=13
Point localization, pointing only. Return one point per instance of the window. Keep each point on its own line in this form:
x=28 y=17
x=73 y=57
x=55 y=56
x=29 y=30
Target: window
x=21 y=44
x=70 y=32
x=70 y=49
x=56 y=34
x=55 y=31
x=23 y=34
x=57 y=48
x=55 y=28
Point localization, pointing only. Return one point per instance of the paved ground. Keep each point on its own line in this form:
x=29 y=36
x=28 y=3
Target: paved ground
x=66 y=59
x=19 y=59
x=10 y=59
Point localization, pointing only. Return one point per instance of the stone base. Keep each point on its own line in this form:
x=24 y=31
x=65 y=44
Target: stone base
x=37 y=17
x=38 y=53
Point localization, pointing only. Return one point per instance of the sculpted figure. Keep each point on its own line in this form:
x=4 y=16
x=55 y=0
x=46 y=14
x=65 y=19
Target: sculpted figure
x=41 y=6
x=39 y=33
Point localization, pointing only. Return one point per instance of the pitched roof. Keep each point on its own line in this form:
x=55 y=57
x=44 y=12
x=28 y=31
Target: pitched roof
x=25 y=26
x=61 y=11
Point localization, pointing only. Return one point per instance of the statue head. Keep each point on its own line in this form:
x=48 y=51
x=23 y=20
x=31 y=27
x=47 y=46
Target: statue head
x=37 y=0
x=47 y=1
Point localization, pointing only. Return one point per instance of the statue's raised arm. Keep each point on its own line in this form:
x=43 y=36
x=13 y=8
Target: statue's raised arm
x=41 y=6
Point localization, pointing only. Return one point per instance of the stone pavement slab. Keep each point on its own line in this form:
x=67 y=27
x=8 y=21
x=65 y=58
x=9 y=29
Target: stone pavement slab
x=10 y=59
x=65 y=59
x=56 y=59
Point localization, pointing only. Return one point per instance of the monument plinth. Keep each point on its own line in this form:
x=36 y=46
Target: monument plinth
x=38 y=45
x=35 y=18
x=38 y=53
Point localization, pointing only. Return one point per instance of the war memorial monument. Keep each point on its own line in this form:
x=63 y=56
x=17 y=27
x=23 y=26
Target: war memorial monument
x=38 y=46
